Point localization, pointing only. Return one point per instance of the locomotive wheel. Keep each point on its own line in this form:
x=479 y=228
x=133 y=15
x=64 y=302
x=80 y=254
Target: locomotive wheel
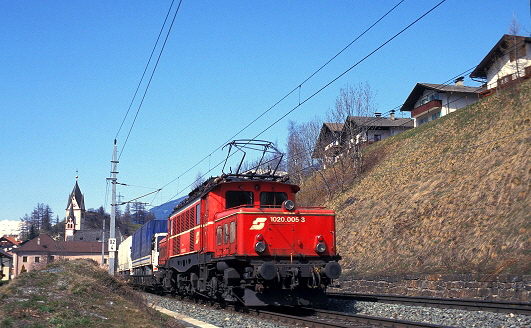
x=214 y=285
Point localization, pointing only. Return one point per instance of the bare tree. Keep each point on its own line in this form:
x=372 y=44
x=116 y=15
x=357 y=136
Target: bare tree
x=358 y=100
x=198 y=180
x=515 y=49
x=300 y=146
x=295 y=153
x=355 y=106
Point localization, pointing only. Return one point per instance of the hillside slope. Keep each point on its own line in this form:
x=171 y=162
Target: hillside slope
x=450 y=196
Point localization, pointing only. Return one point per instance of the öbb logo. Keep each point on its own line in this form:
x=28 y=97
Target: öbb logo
x=258 y=224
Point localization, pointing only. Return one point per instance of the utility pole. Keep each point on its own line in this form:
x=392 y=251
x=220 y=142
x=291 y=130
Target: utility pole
x=112 y=234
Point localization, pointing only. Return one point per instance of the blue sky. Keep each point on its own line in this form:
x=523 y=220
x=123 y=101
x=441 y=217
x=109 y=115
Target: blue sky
x=69 y=70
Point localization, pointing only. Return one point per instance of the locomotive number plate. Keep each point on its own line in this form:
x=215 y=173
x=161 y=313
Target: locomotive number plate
x=287 y=219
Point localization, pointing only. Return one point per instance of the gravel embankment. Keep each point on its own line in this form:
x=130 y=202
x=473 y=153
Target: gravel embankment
x=208 y=314
x=446 y=317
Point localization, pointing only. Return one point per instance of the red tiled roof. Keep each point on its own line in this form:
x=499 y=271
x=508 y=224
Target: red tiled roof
x=11 y=239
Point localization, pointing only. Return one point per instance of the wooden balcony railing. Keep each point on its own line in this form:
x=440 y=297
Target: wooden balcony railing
x=426 y=107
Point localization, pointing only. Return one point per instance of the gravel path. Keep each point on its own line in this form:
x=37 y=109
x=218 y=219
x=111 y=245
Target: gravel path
x=446 y=317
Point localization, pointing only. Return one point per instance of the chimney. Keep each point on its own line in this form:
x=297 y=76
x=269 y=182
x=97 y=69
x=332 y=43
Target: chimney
x=459 y=81
x=392 y=116
x=378 y=114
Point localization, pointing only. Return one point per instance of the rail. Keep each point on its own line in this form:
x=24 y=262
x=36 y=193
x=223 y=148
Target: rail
x=452 y=303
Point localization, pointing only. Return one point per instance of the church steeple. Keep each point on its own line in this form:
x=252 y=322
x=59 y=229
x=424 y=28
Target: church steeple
x=75 y=211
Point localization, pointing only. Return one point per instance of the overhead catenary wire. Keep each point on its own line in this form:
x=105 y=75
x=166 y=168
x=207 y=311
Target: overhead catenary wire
x=350 y=68
x=298 y=87
x=152 y=74
x=308 y=98
x=142 y=79
x=145 y=69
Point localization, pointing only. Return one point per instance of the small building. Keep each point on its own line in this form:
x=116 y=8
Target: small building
x=6 y=262
x=362 y=129
x=506 y=64
x=7 y=243
x=428 y=102
x=337 y=139
x=41 y=250
x=328 y=145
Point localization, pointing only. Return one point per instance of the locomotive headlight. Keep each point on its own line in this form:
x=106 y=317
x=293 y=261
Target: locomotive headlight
x=320 y=247
x=259 y=247
x=289 y=205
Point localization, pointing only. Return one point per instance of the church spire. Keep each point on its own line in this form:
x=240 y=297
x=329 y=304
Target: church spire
x=75 y=210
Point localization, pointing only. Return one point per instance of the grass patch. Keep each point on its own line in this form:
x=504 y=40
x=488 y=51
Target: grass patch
x=75 y=294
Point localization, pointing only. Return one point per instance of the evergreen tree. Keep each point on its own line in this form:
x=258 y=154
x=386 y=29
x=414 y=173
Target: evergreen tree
x=32 y=232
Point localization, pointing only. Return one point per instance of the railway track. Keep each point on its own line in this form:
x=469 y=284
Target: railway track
x=450 y=303
x=309 y=317
x=288 y=316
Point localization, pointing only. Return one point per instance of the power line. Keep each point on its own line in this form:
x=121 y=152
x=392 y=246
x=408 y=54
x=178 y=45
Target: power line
x=289 y=93
x=350 y=68
x=152 y=74
x=145 y=69
x=315 y=93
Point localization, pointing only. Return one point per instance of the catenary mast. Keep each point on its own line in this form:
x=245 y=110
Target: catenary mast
x=112 y=234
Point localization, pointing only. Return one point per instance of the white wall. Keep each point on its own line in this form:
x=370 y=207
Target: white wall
x=503 y=66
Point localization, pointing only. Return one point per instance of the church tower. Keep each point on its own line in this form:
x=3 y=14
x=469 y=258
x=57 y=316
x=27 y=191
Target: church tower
x=75 y=213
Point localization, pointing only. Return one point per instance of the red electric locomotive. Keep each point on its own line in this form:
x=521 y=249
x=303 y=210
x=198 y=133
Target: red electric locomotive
x=241 y=238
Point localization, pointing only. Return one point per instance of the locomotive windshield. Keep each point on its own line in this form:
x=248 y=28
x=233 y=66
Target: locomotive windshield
x=236 y=198
x=272 y=199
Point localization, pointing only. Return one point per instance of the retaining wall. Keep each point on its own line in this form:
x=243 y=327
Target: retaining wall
x=474 y=286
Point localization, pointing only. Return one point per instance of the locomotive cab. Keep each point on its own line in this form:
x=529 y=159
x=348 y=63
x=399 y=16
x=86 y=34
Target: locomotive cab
x=264 y=239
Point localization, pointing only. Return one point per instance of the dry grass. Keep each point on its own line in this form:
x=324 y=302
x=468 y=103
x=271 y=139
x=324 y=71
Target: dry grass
x=451 y=196
x=74 y=294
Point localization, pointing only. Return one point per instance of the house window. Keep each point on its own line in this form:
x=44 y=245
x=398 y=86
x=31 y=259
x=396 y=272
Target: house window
x=435 y=116
x=104 y=261
x=37 y=259
x=24 y=259
x=52 y=258
x=505 y=79
x=424 y=120
x=377 y=137
x=428 y=98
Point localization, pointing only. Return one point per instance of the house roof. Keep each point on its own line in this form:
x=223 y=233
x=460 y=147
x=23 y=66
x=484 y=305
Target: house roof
x=497 y=51
x=93 y=235
x=419 y=89
x=329 y=133
x=76 y=192
x=11 y=239
x=380 y=122
x=333 y=127
x=5 y=254
x=44 y=243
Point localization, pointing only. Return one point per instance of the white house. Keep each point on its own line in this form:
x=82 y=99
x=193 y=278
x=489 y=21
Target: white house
x=428 y=102
x=506 y=64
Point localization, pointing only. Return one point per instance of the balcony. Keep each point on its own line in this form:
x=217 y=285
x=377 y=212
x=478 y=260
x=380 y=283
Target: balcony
x=426 y=107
